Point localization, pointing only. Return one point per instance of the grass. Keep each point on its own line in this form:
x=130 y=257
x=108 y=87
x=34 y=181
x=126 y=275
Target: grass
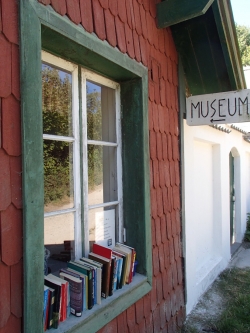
x=233 y=286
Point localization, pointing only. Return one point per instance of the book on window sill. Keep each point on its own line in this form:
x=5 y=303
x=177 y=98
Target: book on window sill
x=93 y=271
x=102 y=251
x=84 y=280
x=50 y=309
x=63 y=297
x=113 y=275
x=121 y=268
x=48 y=281
x=99 y=267
x=46 y=296
x=88 y=272
x=128 y=254
x=75 y=291
x=105 y=272
x=133 y=257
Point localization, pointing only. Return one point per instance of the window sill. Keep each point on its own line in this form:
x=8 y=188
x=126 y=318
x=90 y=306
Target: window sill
x=92 y=320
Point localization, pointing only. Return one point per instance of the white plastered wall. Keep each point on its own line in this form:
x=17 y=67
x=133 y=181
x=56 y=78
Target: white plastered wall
x=207 y=205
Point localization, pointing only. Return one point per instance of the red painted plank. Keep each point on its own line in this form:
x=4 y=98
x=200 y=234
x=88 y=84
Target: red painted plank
x=167 y=174
x=163 y=230
x=16 y=181
x=144 y=53
x=150 y=115
x=14 y=325
x=155 y=170
x=152 y=143
x=153 y=203
x=59 y=6
x=142 y=326
x=1 y=24
x=87 y=15
x=139 y=315
x=110 y=27
x=159 y=202
x=169 y=140
x=161 y=111
x=162 y=176
x=166 y=120
x=5 y=67
x=11 y=235
x=5 y=189
x=159 y=289
x=153 y=296
x=122 y=322
x=153 y=233
x=145 y=4
x=156 y=118
x=122 y=10
x=146 y=305
x=157 y=92
x=130 y=19
x=113 y=6
x=15 y=71
x=150 y=28
x=170 y=71
x=104 y=4
x=161 y=257
x=165 y=198
x=99 y=24
x=163 y=93
x=129 y=41
x=4 y=294
x=143 y=22
x=137 y=17
x=168 y=94
x=161 y=33
x=151 y=91
x=136 y=46
x=175 y=148
x=11 y=132
x=131 y=316
x=120 y=33
x=167 y=42
x=164 y=147
x=152 y=8
x=169 y=227
x=158 y=231
x=73 y=10
x=149 y=323
x=172 y=173
x=159 y=146
x=16 y=289
x=156 y=319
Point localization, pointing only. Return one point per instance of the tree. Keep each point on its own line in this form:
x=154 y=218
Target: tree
x=243 y=34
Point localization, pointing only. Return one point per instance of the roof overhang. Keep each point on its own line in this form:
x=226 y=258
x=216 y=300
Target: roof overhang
x=205 y=38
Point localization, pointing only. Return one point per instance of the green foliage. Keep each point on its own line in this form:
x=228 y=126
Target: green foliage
x=57 y=120
x=247 y=233
x=243 y=34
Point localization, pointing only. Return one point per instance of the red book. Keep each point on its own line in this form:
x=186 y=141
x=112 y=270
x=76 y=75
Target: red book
x=102 y=251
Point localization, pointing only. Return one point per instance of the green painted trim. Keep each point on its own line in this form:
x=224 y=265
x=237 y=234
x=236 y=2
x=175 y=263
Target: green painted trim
x=170 y=12
x=40 y=27
x=32 y=164
x=226 y=29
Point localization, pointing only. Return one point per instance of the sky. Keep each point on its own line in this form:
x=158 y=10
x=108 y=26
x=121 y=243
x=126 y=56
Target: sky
x=241 y=11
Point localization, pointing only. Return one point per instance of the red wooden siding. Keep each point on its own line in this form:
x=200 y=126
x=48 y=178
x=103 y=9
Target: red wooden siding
x=131 y=27
x=11 y=266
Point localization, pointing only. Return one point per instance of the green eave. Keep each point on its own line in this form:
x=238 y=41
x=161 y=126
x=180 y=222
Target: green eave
x=208 y=49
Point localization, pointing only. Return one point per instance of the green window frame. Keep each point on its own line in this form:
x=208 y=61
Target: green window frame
x=42 y=28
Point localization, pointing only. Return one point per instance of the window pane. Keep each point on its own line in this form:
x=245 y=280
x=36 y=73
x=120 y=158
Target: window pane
x=102 y=226
x=102 y=174
x=101 y=120
x=59 y=240
x=56 y=101
x=58 y=175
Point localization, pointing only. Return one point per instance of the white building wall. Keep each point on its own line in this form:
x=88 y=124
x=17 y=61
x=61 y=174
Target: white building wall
x=207 y=205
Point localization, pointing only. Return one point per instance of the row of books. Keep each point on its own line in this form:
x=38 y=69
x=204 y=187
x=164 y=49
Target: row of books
x=84 y=282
